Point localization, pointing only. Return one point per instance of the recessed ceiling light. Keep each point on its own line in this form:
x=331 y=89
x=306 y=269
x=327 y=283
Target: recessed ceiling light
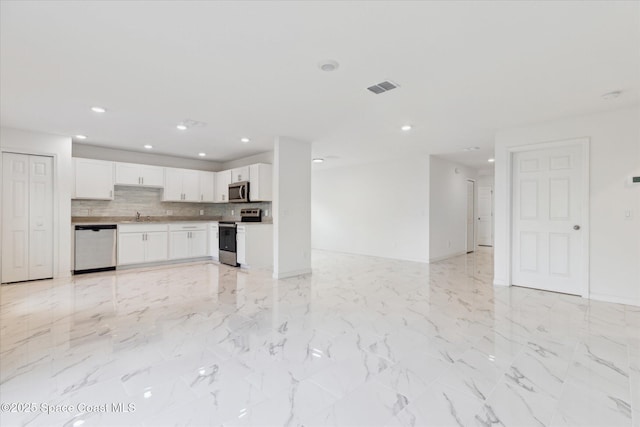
x=81 y=136
x=491 y=160
x=98 y=109
x=471 y=148
x=318 y=160
x=328 y=65
x=612 y=95
x=245 y=140
x=148 y=147
x=202 y=154
x=181 y=127
x=406 y=128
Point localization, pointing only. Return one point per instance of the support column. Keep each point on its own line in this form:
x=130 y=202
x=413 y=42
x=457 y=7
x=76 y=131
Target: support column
x=291 y=208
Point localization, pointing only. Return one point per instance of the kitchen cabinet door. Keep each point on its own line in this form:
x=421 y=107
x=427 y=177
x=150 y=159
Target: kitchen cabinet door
x=179 y=244
x=156 y=246
x=127 y=174
x=152 y=176
x=131 y=248
x=240 y=174
x=223 y=179
x=172 y=185
x=93 y=179
x=190 y=185
x=198 y=243
x=139 y=175
x=241 y=244
x=207 y=186
x=214 y=241
x=260 y=182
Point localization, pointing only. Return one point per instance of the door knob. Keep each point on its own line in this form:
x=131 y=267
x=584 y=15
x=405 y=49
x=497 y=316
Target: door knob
x=576 y=227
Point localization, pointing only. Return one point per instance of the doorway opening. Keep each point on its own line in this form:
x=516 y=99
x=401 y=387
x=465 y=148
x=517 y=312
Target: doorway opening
x=471 y=216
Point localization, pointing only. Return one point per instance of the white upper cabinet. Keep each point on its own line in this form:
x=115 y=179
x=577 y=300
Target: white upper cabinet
x=223 y=179
x=181 y=185
x=139 y=175
x=240 y=174
x=207 y=186
x=93 y=179
x=260 y=182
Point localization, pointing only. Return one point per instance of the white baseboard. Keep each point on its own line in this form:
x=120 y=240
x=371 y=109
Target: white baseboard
x=442 y=258
x=294 y=273
x=500 y=282
x=614 y=299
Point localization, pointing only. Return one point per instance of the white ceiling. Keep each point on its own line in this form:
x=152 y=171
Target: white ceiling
x=250 y=69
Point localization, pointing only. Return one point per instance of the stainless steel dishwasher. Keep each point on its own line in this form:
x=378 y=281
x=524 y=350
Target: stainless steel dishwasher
x=95 y=248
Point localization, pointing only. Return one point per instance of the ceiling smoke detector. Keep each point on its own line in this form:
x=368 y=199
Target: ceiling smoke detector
x=328 y=65
x=382 y=87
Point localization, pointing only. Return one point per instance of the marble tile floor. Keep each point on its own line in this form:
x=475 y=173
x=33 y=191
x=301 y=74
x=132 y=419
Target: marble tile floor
x=362 y=342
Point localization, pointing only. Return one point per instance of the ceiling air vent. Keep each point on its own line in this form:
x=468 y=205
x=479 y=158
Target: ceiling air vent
x=385 y=86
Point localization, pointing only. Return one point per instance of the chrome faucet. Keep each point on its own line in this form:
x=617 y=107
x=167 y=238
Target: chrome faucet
x=137 y=216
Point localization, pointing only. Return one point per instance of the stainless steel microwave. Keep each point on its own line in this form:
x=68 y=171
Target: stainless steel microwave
x=239 y=192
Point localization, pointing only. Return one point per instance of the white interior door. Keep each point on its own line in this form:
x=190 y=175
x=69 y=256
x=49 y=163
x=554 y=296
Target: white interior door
x=547 y=219
x=485 y=216
x=40 y=217
x=15 y=217
x=471 y=233
x=27 y=217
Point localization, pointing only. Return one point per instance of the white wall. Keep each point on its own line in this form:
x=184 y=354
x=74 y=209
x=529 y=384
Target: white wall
x=615 y=155
x=378 y=209
x=19 y=141
x=250 y=160
x=291 y=208
x=448 y=208
x=115 y=155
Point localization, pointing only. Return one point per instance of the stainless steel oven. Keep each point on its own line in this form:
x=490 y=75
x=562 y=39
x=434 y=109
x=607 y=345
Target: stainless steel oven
x=227 y=243
x=239 y=192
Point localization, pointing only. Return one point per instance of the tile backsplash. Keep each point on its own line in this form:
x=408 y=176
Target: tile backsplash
x=148 y=201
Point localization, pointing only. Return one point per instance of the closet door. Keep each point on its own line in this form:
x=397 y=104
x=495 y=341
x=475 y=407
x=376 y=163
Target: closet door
x=40 y=217
x=27 y=217
x=15 y=217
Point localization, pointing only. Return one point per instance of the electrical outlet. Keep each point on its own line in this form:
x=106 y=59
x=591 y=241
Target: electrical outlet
x=233 y=212
x=201 y=211
x=266 y=212
x=169 y=212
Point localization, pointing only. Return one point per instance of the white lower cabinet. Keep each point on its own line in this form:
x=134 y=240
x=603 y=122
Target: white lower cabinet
x=214 y=241
x=241 y=244
x=140 y=243
x=254 y=245
x=187 y=241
